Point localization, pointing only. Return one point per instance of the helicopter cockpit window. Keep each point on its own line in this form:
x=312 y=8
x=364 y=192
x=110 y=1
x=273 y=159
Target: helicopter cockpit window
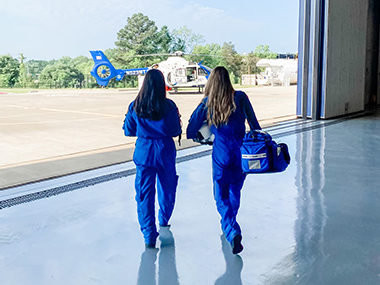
x=201 y=72
x=191 y=73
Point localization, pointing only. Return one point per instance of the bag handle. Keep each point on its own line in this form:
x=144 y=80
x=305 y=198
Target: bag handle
x=258 y=135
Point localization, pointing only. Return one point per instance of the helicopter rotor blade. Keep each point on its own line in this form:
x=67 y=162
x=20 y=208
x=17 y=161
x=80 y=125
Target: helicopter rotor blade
x=152 y=54
x=175 y=54
x=212 y=55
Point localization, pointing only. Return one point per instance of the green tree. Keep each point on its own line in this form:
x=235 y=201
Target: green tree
x=61 y=74
x=137 y=37
x=263 y=51
x=185 y=40
x=84 y=65
x=163 y=40
x=66 y=60
x=23 y=77
x=35 y=67
x=209 y=54
x=112 y=55
x=138 y=44
x=9 y=70
x=80 y=60
x=231 y=60
x=249 y=63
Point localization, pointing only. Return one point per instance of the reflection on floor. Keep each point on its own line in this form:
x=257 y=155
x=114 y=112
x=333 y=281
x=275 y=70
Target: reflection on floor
x=316 y=223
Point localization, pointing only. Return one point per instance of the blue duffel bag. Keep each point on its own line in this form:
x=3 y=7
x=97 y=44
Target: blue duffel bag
x=261 y=154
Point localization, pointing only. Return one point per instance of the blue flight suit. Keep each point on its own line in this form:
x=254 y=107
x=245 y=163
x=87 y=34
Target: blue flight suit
x=228 y=176
x=154 y=155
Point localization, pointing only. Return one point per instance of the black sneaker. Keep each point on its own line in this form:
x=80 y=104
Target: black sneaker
x=236 y=244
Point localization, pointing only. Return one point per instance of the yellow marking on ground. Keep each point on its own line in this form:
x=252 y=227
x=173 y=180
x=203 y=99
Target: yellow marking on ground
x=15 y=106
x=24 y=115
x=64 y=111
x=49 y=122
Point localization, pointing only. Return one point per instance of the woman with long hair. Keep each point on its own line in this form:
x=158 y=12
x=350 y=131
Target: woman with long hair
x=155 y=120
x=225 y=110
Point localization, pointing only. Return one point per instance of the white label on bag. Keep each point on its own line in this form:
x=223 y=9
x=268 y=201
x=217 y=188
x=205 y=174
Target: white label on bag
x=254 y=156
x=278 y=151
x=254 y=164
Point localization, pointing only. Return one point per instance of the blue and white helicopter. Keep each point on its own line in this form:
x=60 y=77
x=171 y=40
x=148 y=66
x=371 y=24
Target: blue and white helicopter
x=178 y=72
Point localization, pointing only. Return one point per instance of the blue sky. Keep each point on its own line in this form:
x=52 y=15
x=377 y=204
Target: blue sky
x=45 y=29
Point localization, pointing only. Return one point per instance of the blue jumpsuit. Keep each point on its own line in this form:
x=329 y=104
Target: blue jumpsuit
x=227 y=173
x=154 y=155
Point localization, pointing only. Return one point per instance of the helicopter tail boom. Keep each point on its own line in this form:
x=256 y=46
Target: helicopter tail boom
x=104 y=71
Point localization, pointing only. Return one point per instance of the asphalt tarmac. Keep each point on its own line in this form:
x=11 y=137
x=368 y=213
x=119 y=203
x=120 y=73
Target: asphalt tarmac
x=51 y=133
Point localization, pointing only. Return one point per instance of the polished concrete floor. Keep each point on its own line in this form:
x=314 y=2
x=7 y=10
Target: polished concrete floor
x=316 y=223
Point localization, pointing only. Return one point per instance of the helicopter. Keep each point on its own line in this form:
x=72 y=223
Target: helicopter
x=177 y=71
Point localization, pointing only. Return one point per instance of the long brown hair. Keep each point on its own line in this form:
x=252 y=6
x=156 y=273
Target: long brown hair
x=220 y=95
x=150 y=101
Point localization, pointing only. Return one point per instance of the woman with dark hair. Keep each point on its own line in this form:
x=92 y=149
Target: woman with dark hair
x=225 y=111
x=155 y=120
